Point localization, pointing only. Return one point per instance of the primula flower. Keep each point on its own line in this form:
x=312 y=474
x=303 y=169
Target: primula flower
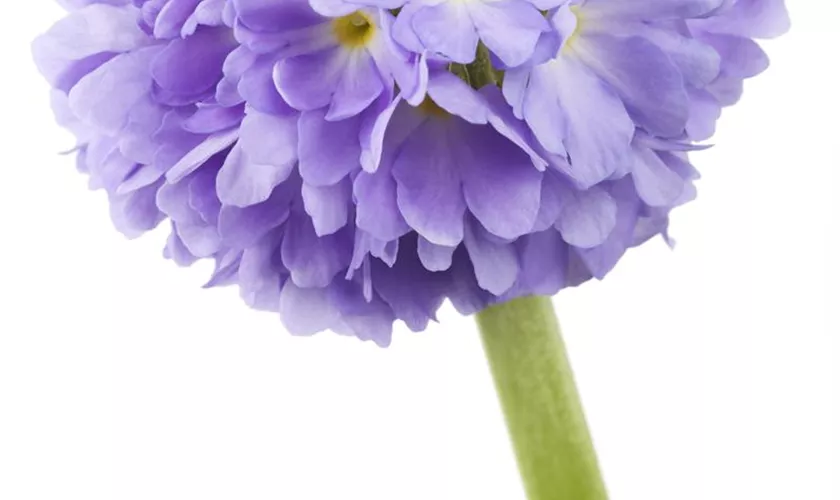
x=348 y=164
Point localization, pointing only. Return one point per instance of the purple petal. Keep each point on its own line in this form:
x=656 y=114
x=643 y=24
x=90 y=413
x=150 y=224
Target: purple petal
x=210 y=147
x=749 y=18
x=434 y=257
x=454 y=95
x=314 y=261
x=647 y=81
x=193 y=65
x=509 y=28
x=377 y=211
x=108 y=111
x=496 y=264
x=429 y=187
x=587 y=217
x=201 y=240
x=172 y=17
x=567 y=106
x=308 y=81
x=360 y=85
x=447 y=29
x=328 y=150
x=243 y=182
x=413 y=293
x=410 y=71
x=501 y=185
x=551 y=201
x=328 y=206
x=306 y=311
x=259 y=280
x=85 y=33
x=543 y=261
x=650 y=9
x=136 y=213
x=602 y=259
x=214 y=119
x=270 y=15
x=242 y=227
x=657 y=185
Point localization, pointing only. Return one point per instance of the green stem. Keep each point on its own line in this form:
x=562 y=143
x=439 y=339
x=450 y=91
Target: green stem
x=540 y=401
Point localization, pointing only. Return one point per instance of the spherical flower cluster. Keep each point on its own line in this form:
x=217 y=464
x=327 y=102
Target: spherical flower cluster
x=350 y=163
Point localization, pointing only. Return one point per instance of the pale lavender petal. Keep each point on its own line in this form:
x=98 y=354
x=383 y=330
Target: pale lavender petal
x=587 y=217
x=108 y=111
x=329 y=206
x=193 y=65
x=452 y=94
x=501 y=185
x=551 y=201
x=509 y=28
x=243 y=227
x=269 y=139
x=83 y=34
x=567 y=106
x=648 y=82
x=447 y=29
x=656 y=184
x=243 y=182
x=260 y=281
x=413 y=293
x=306 y=311
x=210 y=147
x=172 y=17
x=496 y=264
x=360 y=85
x=377 y=211
x=542 y=264
x=271 y=15
x=308 y=82
x=136 y=213
x=602 y=259
x=434 y=257
x=314 y=261
x=650 y=9
x=429 y=187
x=328 y=150
x=201 y=240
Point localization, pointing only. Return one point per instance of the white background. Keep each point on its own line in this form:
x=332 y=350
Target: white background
x=708 y=373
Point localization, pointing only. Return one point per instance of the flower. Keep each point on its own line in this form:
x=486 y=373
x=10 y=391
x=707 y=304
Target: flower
x=351 y=163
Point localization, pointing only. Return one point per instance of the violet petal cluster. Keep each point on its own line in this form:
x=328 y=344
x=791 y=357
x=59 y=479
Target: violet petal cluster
x=350 y=163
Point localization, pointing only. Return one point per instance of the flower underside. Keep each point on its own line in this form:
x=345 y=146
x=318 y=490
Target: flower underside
x=351 y=163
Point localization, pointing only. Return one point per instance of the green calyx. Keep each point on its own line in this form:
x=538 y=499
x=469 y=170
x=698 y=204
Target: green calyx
x=480 y=72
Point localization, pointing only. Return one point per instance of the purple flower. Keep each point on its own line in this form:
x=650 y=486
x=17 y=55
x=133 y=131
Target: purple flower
x=351 y=163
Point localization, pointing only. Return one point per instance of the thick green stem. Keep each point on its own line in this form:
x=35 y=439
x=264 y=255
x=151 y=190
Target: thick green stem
x=540 y=401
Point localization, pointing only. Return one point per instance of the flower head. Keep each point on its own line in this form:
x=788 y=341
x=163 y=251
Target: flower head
x=350 y=163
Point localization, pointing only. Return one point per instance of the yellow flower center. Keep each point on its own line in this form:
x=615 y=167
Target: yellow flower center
x=353 y=30
x=431 y=108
